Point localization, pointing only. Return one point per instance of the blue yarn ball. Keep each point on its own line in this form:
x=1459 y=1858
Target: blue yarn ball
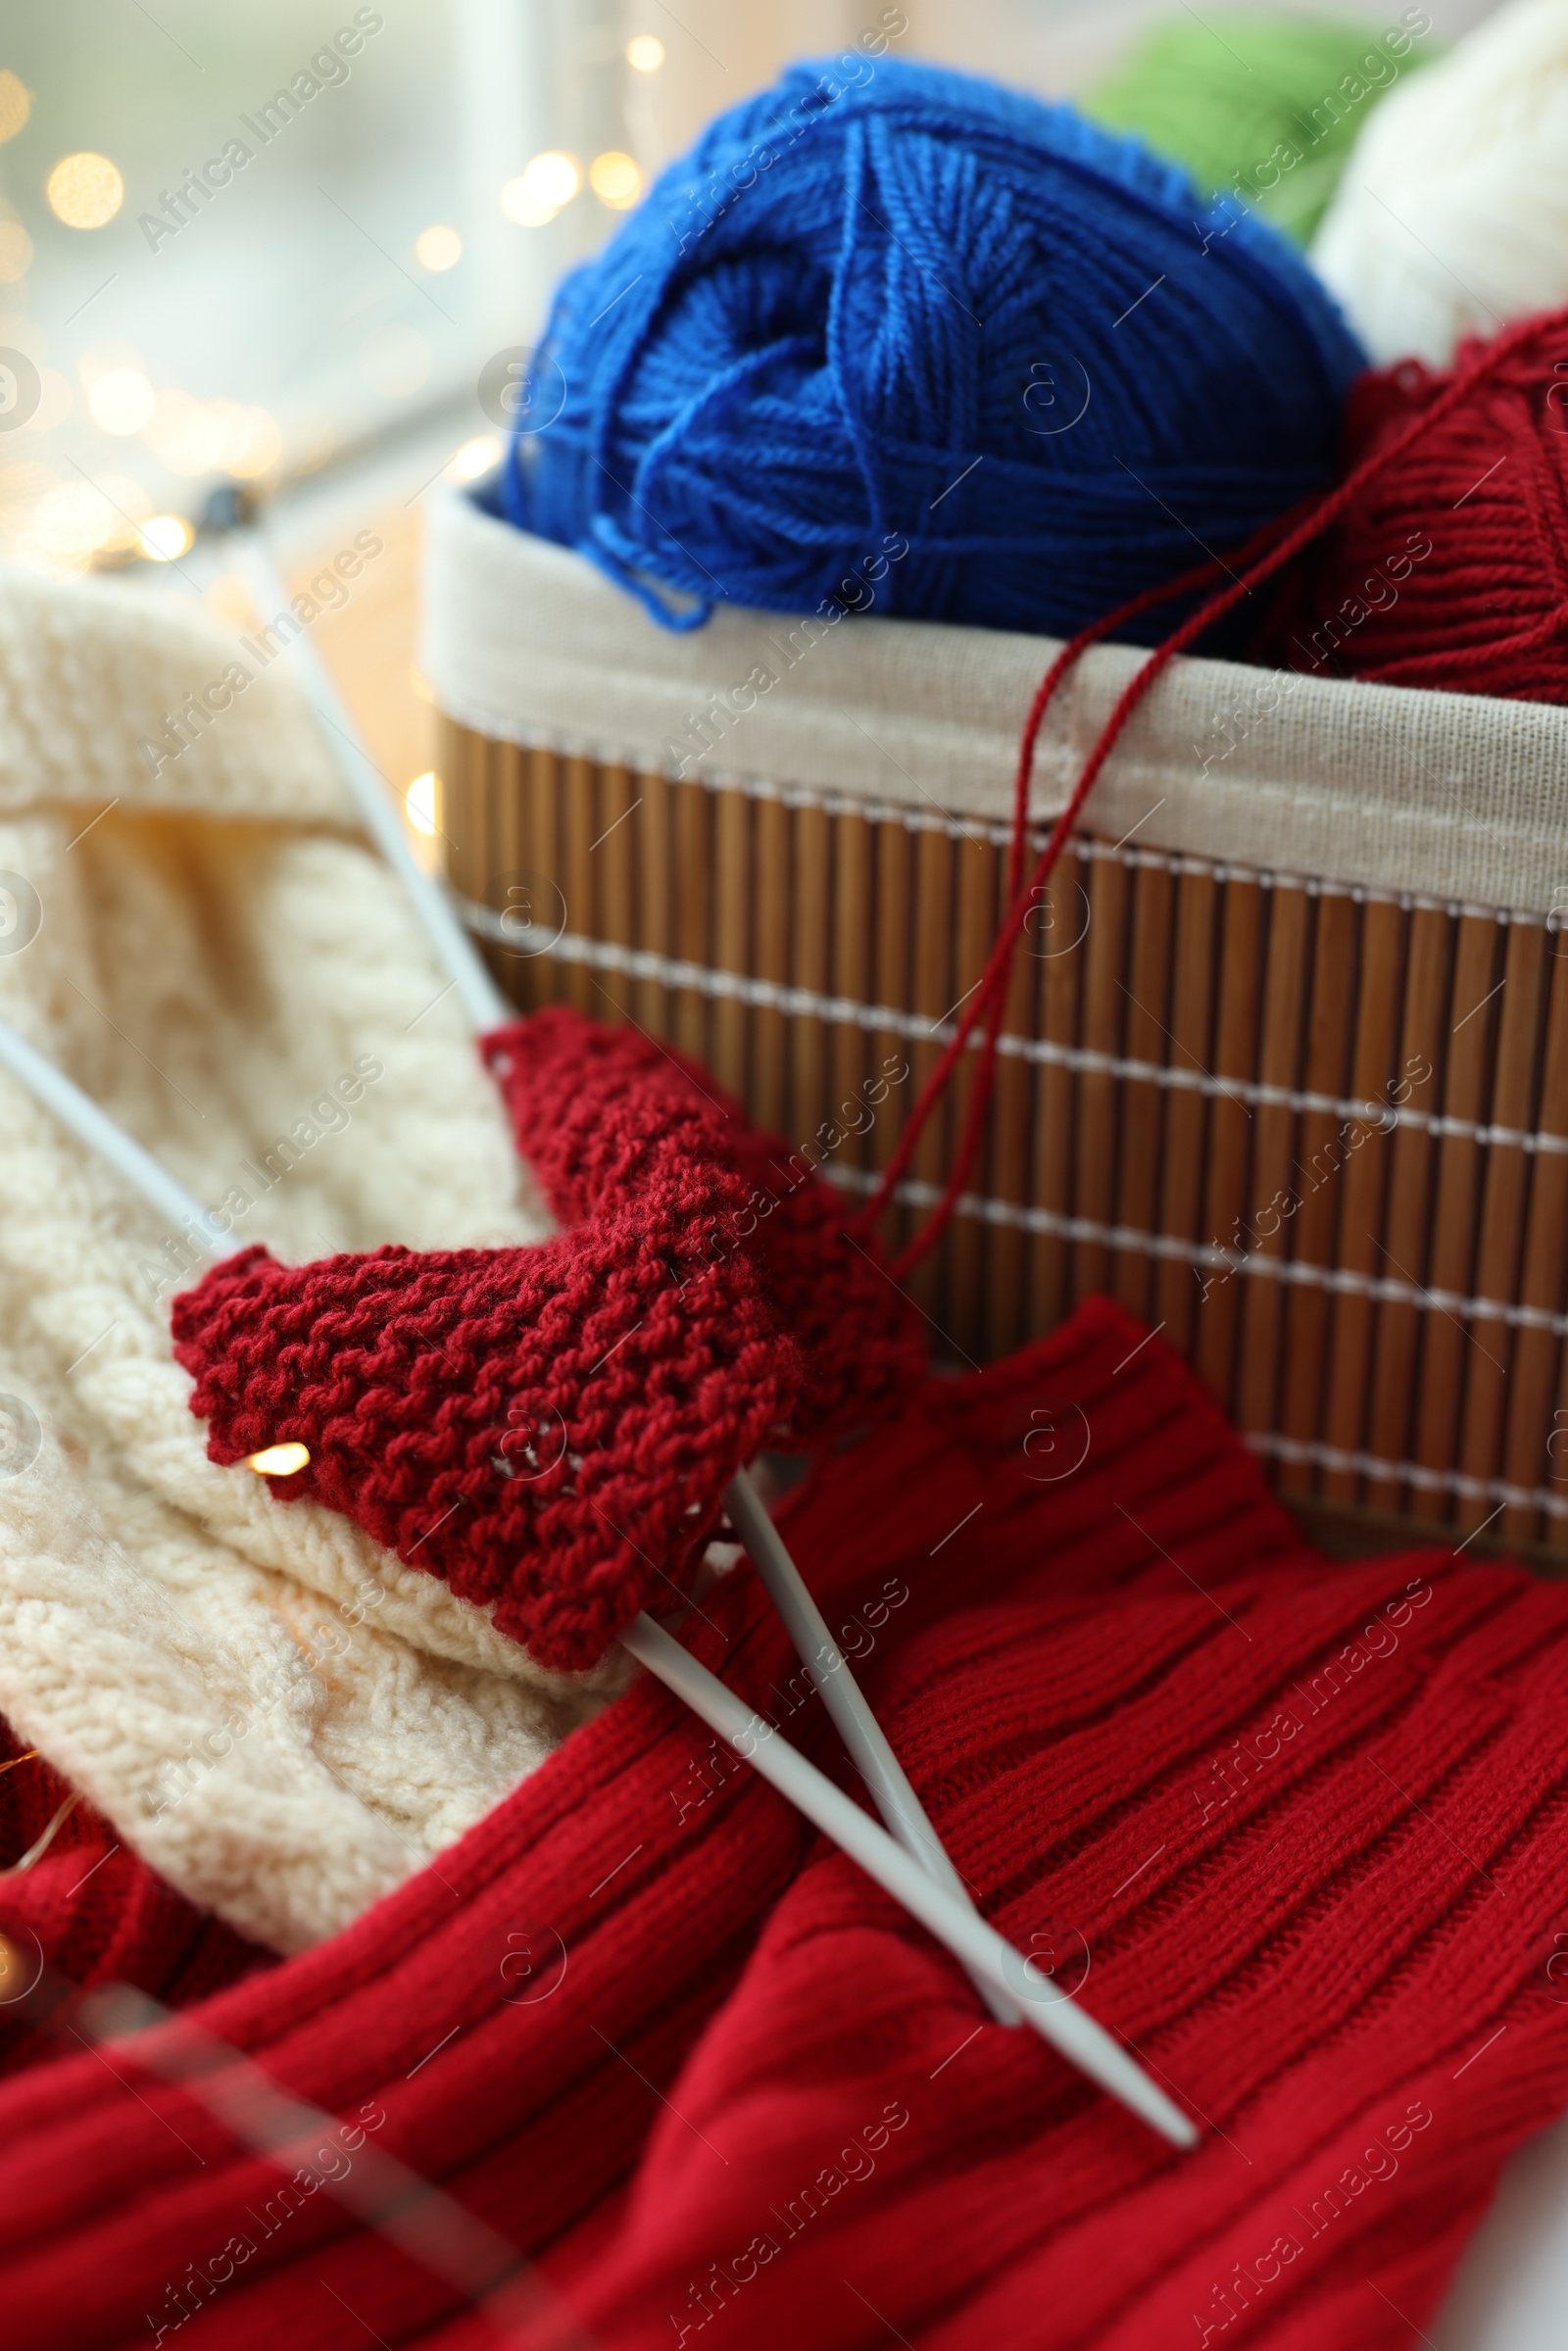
x=917 y=306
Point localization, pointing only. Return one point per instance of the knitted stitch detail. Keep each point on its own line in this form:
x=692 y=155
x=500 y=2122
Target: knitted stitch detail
x=551 y=1429
x=92 y=1909
x=860 y=1338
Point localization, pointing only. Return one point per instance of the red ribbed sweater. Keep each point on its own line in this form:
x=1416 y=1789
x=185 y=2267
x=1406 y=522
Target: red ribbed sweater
x=1306 y=1823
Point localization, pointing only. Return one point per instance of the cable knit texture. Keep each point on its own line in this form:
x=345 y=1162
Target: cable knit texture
x=550 y=1430
x=262 y=1702
x=1297 y=1832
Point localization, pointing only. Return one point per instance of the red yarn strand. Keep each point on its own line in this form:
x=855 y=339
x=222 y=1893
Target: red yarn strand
x=989 y=998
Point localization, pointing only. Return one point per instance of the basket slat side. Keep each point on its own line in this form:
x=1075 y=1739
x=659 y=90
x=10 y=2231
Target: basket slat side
x=1285 y=973
x=1535 y=1431
x=1318 y=1135
x=1411 y=1180
x=1061 y=982
x=1310 y=1196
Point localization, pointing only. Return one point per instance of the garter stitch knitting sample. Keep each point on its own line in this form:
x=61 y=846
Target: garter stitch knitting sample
x=859 y=1336
x=549 y=1429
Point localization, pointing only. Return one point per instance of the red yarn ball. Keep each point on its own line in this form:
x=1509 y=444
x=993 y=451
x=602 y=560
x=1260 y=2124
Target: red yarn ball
x=1450 y=567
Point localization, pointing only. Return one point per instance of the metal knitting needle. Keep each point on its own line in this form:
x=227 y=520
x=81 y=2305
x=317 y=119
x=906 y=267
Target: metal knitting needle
x=1053 y=2013
x=863 y=1737
x=989 y=1958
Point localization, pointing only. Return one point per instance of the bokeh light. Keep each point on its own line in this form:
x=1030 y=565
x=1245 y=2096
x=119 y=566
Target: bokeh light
x=84 y=190
x=474 y=458
x=71 y=523
x=131 y=508
x=539 y=191
x=645 y=53
x=16 y=252
x=419 y=801
x=194 y=436
x=16 y=105
x=54 y=399
x=166 y=537
x=22 y=486
x=437 y=246
x=63 y=526
x=615 y=179
x=279 y=1460
x=519 y=204
x=120 y=401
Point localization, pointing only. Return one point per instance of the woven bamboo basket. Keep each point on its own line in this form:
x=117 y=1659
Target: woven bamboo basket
x=1286 y=1055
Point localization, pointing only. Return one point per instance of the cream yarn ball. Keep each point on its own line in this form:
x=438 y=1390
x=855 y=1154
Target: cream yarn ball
x=1452 y=215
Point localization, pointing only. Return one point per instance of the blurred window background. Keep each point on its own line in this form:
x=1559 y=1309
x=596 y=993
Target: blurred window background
x=277 y=247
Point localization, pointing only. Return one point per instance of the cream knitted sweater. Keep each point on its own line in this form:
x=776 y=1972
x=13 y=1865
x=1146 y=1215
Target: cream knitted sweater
x=280 y=1716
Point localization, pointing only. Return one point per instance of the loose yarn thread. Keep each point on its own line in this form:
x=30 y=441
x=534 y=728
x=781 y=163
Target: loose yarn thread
x=923 y=305
x=1259 y=559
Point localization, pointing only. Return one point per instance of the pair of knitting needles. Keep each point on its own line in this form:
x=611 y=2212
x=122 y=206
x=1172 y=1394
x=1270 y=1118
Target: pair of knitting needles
x=488 y=1009
x=914 y=1870
x=991 y=1961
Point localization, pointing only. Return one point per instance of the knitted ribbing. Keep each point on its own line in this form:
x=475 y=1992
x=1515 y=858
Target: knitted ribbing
x=1307 y=1824
x=92 y=1910
x=551 y=1429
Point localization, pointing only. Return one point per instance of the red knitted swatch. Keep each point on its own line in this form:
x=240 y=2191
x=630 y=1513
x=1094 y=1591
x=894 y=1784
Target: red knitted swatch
x=551 y=1429
x=1305 y=1825
x=1450 y=569
x=859 y=1336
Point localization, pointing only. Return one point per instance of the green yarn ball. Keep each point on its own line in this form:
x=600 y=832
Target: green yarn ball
x=1268 y=106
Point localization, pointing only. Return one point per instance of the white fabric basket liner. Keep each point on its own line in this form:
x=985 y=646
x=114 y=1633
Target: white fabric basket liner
x=1447 y=798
